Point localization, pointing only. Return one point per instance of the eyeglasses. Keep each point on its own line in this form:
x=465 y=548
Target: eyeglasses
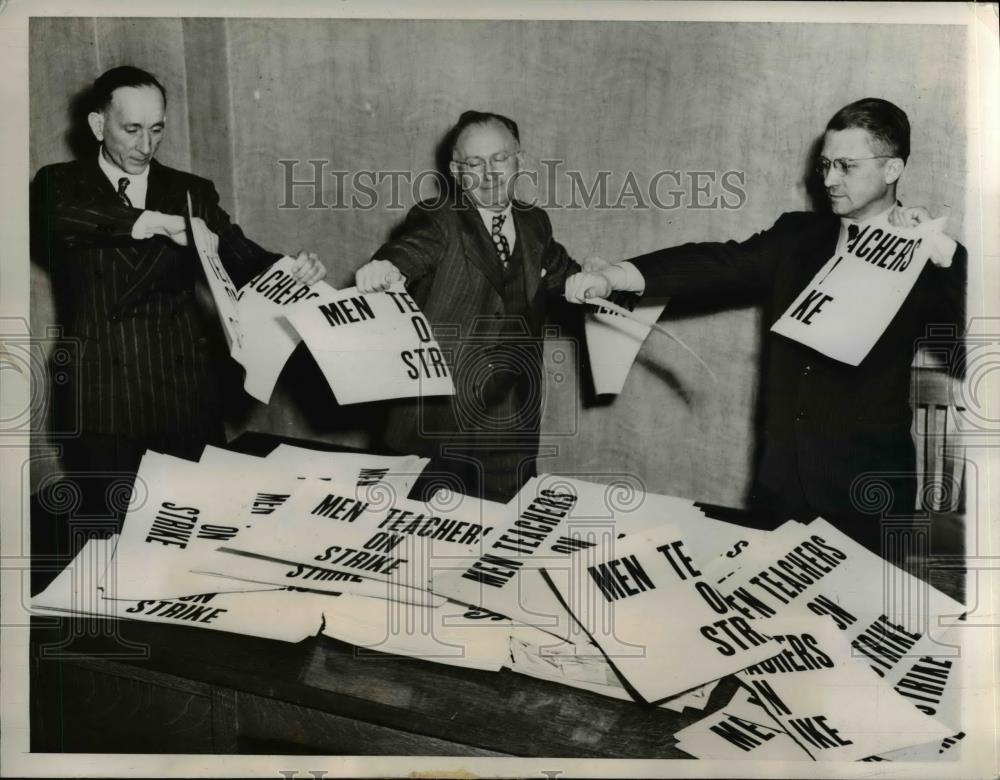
x=478 y=164
x=844 y=165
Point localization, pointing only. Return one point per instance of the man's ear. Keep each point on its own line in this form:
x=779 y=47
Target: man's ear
x=96 y=121
x=453 y=167
x=893 y=170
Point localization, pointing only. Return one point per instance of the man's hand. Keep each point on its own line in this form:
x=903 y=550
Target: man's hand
x=173 y=226
x=587 y=285
x=908 y=216
x=307 y=269
x=593 y=264
x=170 y=226
x=376 y=276
x=942 y=247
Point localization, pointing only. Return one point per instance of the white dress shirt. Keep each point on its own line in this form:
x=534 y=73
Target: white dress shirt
x=137 y=183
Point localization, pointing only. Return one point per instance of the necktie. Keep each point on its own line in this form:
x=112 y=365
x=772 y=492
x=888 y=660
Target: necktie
x=122 y=184
x=500 y=240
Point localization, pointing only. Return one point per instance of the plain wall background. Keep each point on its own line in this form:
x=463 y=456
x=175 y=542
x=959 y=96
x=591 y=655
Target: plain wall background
x=640 y=97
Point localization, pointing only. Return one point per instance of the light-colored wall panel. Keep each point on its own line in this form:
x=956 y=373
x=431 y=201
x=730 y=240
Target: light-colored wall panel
x=368 y=95
x=62 y=58
x=156 y=45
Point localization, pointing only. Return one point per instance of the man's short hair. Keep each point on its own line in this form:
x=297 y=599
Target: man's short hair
x=470 y=118
x=122 y=76
x=886 y=122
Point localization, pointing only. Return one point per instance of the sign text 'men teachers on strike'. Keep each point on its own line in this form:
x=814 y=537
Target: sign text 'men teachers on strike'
x=372 y=347
x=850 y=302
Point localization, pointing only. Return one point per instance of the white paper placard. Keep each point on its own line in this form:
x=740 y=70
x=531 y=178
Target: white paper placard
x=558 y=517
x=658 y=621
x=223 y=290
x=740 y=730
x=287 y=615
x=613 y=341
x=268 y=340
x=372 y=347
x=180 y=510
x=448 y=633
x=830 y=702
x=328 y=526
x=850 y=302
x=264 y=571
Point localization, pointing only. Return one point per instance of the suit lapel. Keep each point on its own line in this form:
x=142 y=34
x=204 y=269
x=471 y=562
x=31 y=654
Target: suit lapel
x=97 y=183
x=158 y=190
x=478 y=246
x=819 y=243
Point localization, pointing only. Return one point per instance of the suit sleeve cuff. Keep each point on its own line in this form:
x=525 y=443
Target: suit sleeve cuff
x=625 y=277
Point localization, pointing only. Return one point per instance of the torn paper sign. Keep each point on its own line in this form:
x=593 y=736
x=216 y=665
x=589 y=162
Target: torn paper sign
x=286 y=615
x=742 y=729
x=223 y=290
x=850 y=302
x=372 y=347
x=661 y=624
x=582 y=666
x=257 y=334
x=613 y=341
x=829 y=701
x=268 y=340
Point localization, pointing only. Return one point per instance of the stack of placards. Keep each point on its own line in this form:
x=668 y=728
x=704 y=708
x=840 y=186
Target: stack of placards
x=606 y=588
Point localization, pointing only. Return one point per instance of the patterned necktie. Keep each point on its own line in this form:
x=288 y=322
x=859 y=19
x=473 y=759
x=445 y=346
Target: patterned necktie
x=500 y=240
x=122 y=184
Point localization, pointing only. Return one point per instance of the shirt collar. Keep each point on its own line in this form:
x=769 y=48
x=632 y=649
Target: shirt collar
x=488 y=215
x=114 y=173
x=882 y=218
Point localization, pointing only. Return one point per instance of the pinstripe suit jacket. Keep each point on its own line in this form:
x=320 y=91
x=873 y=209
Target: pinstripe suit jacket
x=822 y=422
x=148 y=361
x=454 y=275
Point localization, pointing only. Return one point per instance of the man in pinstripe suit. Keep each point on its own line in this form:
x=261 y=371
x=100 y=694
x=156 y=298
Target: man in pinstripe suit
x=479 y=266
x=113 y=235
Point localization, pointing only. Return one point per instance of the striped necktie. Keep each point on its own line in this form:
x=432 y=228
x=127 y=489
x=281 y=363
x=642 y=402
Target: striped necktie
x=122 y=185
x=500 y=240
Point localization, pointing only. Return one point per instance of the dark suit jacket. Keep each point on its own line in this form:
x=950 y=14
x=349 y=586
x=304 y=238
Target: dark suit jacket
x=146 y=362
x=455 y=277
x=826 y=422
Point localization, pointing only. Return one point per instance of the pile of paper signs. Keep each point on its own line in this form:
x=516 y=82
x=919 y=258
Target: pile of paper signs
x=603 y=587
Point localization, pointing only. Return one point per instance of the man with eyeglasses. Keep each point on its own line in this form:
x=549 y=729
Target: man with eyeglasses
x=479 y=265
x=827 y=428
